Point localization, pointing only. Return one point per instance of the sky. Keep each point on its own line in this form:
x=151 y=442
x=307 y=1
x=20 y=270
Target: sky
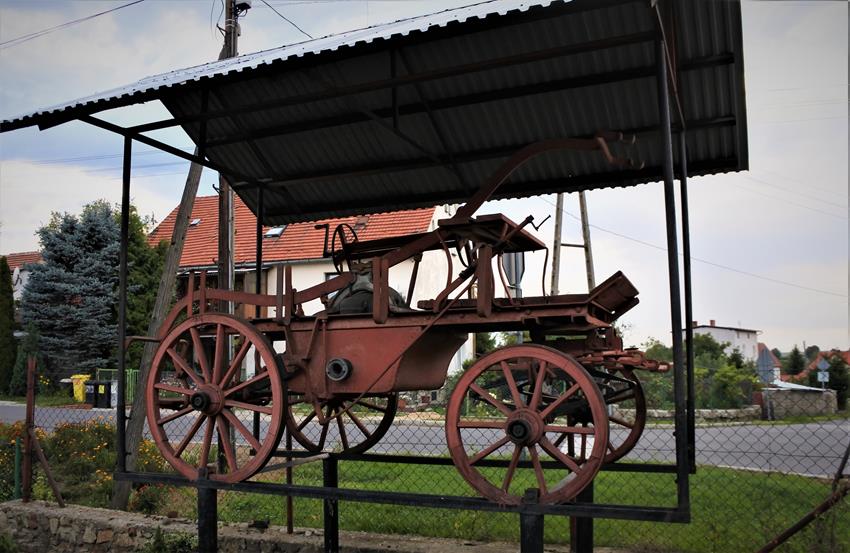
x=769 y=245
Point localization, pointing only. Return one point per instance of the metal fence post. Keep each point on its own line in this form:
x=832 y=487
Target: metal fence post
x=530 y=525
x=581 y=528
x=330 y=479
x=207 y=517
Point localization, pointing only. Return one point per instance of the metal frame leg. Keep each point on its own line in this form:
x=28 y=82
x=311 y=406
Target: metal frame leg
x=207 y=520
x=531 y=525
x=330 y=477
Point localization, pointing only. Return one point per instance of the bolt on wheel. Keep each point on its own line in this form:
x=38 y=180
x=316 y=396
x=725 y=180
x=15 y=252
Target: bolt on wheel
x=195 y=393
x=512 y=406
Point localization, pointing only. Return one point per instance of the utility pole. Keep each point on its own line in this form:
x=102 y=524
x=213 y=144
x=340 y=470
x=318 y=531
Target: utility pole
x=136 y=419
x=225 y=192
x=585 y=245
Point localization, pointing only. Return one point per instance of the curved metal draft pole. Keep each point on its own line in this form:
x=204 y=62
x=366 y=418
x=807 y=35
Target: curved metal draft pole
x=683 y=492
x=120 y=413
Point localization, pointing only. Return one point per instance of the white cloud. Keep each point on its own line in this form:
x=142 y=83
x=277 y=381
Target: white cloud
x=30 y=193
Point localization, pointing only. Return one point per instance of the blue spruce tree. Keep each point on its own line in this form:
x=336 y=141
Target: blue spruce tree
x=70 y=298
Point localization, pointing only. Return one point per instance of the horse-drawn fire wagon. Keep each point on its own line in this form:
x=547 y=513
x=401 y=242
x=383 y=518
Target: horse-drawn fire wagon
x=560 y=399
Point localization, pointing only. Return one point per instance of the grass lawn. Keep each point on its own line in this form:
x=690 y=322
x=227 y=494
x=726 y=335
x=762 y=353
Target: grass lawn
x=731 y=510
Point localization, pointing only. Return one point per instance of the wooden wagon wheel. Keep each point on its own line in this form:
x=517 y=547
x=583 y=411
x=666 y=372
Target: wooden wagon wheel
x=349 y=430
x=190 y=395
x=624 y=432
x=484 y=420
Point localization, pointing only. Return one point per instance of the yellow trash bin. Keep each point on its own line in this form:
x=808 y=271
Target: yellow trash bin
x=79 y=382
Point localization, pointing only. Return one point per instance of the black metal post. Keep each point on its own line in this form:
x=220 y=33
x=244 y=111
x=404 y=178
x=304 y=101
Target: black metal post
x=681 y=436
x=120 y=413
x=207 y=518
x=258 y=289
x=330 y=479
x=689 y=312
x=530 y=525
x=581 y=528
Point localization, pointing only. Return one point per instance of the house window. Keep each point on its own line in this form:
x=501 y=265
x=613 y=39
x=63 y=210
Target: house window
x=195 y=222
x=274 y=232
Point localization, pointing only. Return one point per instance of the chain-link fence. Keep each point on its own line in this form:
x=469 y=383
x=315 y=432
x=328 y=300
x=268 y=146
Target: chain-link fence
x=760 y=466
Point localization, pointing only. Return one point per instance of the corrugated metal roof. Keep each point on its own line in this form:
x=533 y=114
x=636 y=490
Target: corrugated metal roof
x=314 y=121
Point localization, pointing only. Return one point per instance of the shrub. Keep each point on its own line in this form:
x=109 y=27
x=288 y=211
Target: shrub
x=171 y=543
x=148 y=499
x=7 y=544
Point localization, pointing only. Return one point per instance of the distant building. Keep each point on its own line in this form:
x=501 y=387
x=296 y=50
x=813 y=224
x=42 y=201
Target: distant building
x=744 y=340
x=18 y=264
x=301 y=245
x=767 y=365
x=803 y=376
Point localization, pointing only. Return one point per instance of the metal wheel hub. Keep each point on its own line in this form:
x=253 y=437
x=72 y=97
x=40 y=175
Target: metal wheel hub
x=524 y=427
x=207 y=399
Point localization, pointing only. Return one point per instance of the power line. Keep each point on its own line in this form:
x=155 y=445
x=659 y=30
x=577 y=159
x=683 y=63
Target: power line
x=25 y=38
x=806 y=184
x=287 y=19
x=816 y=210
x=827 y=202
x=705 y=261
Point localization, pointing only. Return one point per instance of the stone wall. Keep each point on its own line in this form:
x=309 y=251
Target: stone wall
x=750 y=412
x=39 y=527
x=790 y=403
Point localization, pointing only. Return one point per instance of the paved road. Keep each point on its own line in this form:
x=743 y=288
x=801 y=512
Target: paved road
x=813 y=449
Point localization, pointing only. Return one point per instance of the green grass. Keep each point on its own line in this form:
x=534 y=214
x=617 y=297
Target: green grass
x=731 y=510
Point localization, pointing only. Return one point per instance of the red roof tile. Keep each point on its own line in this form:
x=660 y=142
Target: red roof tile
x=773 y=359
x=813 y=366
x=299 y=240
x=22 y=258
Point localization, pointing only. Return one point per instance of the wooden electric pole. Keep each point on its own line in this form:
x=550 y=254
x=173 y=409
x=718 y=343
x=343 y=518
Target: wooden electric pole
x=136 y=419
x=557 y=244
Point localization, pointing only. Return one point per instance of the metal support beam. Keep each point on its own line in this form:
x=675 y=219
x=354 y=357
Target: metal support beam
x=330 y=479
x=581 y=528
x=679 y=376
x=207 y=519
x=120 y=411
x=689 y=312
x=531 y=525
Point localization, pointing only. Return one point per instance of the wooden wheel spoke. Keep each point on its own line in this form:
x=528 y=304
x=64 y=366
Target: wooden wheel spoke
x=611 y=447
x=372 y=406
x=481 y=424
x=538 y=469
x=488 y=397
x=559 y=455
x=306 y=420
x=198 y=346
x=173 y=416
x=189 y=435
x=621 y=396
x=538 y=385
x=621 y=421
x=356 y=420
x=342 y=436
x=236 y=364
x=207 y=443
x=558 y=402
x=583 y=440
x=325 y=425
x=174 y=389
x=243 y=385
x=237 y=424
x=509 y=378
x=184 y=366
x=224 y=440
x=569 y=429
x=487 y=450
x=220 y=352
x=249 y=406
x=509 y=475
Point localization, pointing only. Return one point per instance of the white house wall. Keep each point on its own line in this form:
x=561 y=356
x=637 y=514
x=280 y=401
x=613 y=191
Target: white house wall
x=745 y=341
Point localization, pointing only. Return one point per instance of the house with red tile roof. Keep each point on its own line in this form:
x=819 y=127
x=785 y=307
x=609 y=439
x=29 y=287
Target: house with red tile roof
x=18 y=265
x=301 y=245
x=812 y=367
x=768 y=365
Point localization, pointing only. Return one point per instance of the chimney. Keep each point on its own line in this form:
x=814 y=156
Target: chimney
x=694 y=323
x=711 y=322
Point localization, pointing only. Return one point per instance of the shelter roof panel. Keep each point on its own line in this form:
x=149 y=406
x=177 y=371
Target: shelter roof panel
x=421 y=111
